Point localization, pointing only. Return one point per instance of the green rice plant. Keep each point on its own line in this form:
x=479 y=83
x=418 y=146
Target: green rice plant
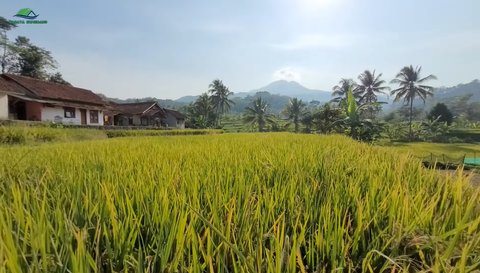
x=12 y=135
x=232 y=203
x=183 y=132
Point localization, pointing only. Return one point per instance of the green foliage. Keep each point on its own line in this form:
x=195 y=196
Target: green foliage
x=5 y=25
x=411 y=86
x=258 y=115
x=58 y=78
x=367 y=91
x=294 y=111
x=340 y=91
x=220 y=97
x=31 y=60
x=201 y=114
x=441 y=113
x=39 y=134
x=144 y=133
x=354 y=125
x=232 y=203
x=325 y=119
x=10 y=135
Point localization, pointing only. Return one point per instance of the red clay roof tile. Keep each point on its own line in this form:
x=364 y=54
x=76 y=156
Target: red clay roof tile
x=54 y=91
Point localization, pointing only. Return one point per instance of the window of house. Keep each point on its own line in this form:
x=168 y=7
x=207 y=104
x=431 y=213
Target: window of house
x=130 y=121
x=93 y=116
x=144 y=121
x=69 y=112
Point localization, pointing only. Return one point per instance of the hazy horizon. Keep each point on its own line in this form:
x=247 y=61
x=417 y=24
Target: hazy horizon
x=170 y=49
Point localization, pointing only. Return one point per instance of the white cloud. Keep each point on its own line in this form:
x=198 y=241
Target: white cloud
x=313 y=41
x=287 y=74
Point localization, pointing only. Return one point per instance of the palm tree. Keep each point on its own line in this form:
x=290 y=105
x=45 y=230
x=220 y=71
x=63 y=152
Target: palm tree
x=258 y=114
x=368 y=89
x=294 y=111
x=219 y=96
x=411 y=85
x=203 y=105
x=340 y=91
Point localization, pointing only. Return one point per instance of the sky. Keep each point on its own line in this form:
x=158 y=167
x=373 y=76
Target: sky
x=169 y=49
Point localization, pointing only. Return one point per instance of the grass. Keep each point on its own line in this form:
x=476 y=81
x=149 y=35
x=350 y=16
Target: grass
x=425 y=150
x=231 y=203
x=20 y=134
x=30 y=135
x=142 y=133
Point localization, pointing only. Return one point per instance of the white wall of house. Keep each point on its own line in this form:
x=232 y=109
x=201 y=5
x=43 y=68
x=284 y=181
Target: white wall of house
x=100 y=119
x=172 y=122
x=56 y=113
x=3 y=106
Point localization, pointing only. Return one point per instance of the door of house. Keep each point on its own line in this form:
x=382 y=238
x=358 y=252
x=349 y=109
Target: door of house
x=83 y=116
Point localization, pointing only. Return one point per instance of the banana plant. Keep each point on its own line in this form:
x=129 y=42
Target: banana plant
x=355 y=126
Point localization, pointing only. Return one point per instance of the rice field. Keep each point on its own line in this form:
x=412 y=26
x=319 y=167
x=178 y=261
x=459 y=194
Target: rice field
x=232 y=203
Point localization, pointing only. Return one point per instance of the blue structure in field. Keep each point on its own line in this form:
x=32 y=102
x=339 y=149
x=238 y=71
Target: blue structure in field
x=472 y=161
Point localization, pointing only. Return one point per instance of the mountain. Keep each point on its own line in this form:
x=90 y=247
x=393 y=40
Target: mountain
x=472 y=88
x=278 y=93
x=187 y=99
x=292 y=89
x=170 y=104
x=276 y=103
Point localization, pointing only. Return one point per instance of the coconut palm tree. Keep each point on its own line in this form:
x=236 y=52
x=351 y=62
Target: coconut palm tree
x=340 y=91
x=257 y=114
x=219 y=96
x=411 y=85
x=294 y=111
x=368 y=88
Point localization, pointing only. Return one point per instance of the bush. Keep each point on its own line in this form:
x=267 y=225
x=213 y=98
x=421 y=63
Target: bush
x=12 y=135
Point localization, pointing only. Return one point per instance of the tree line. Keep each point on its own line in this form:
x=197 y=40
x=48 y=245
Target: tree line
x=353 y=109
x=22 y=57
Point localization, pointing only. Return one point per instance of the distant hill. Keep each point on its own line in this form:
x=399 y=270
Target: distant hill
x=448 y=95
x=170 y=104
x=276 y=102
x=187 y=99
x=292 y=89
x=472 y=88
x=280 y=88
x=278 y=93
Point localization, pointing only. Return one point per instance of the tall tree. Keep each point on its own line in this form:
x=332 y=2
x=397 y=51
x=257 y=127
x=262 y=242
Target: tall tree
x=294 y=111
x=219 y=96
x=340 y=91
x=58 y=78
x=326 y=118
x=258 y=114
x=200 y=114
x=411 y=85
x=5 y=26
x=33 y=61
x=441 y=113
x=369 y=87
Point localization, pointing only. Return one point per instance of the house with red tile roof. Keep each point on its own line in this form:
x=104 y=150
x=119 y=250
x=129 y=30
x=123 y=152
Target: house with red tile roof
x=24 y=98
x=148 y=113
